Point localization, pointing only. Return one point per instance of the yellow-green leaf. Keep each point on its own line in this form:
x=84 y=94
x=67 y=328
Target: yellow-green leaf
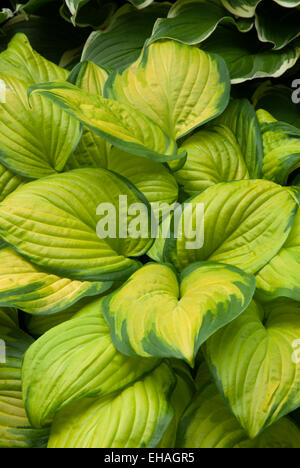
x=157 y=314
x=135 y=418
x=256 y=363
x=177 y=86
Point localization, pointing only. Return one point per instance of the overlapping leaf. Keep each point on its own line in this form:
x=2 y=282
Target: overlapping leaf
x=53 y=222
x=27 y=287
x=213 y=156
x=281 y=148
x=245 y=224
x=209 y=423
x=155 y=314
x=36 y=140
x=135 y=418
x=75 y=360
x=120 y=124
x=255 y=364
x=15 y=430
x=280 y=277
x=179 y=87
x=241 y=118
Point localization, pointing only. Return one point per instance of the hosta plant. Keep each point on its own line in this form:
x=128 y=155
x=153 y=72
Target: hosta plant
x=141 y=339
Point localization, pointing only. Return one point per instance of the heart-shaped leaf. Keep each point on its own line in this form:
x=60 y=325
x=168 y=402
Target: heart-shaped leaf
x=255 y=363
x=177 y=86
x=154 y=314
x=137 y=417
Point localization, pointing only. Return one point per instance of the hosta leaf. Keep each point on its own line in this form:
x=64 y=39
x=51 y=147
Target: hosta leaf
x=281 y=148
x=74 y=360
x=276 y=99
x=177 y=86
x=213 y=156
x=120 y=44
x=9 y=317
x=246 y=59
x=9 y=182
x=155 y=314
x=120 y=124
x=92 y=150
x=5 y=13
x=135 y=418
x=15 y=430
x=254 y=363
x=53 y=223
x=31 y=289
x=241 y=118
x=243 y=8
x=22 y=62
x=194 y=21
x=181 y=397
x=208 y=423
x=277 y=25
x=89 y=12
x=35 y=140
x=280 y=277
x=245 y=224
x=152 y=179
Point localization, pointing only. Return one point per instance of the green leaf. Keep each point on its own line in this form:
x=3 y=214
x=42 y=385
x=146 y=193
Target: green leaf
x=209 y=423
x=255 y=363
x=179 y=87
x=15 y=429
x=135 y=418
x=39 y=30
x=32 y=290
x=94 y=13
x=245 y=224
x=281 y=143
x=213 y=156
x=9 y=182
x=27 y=146
x=191 y=22
x=280 y=277
x=5 y=13
x=52 y=222
x=155 y=314
x=277 y=25
x=181 y=397
x=120 y=44
x=120 y=124
x=243 y=8
x=36 y=140
x=151 y=178
x=276 y=99
x=92 y=150
x=245 y=57
x=75 y=360
x=22 y=62
x=241 y=118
